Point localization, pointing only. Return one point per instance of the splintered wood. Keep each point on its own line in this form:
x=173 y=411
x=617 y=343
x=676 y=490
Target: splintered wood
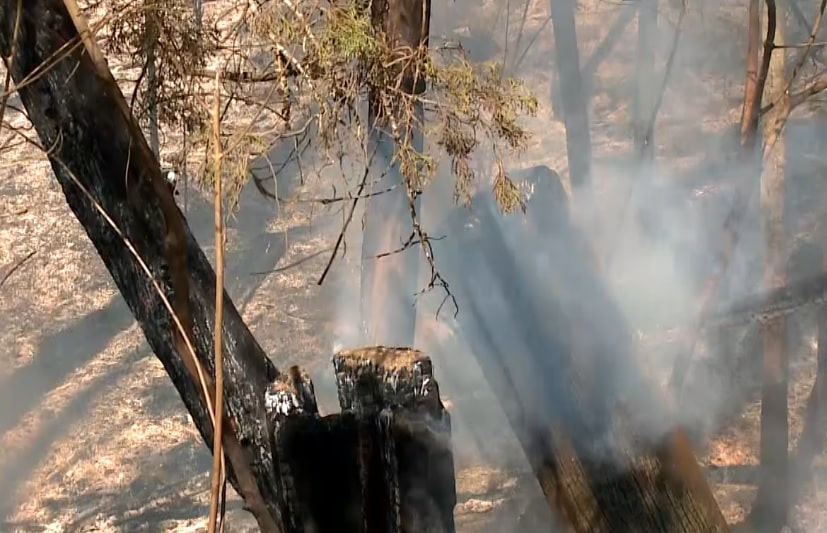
x=384 y=464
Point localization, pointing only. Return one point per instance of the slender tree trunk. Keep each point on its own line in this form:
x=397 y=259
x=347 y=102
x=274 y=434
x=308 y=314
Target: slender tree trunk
x=151 y=15
x=575 y=110
x=198 y=11
x=606 y=46
x=389 y=284
x=771 y=508
x=645 y=93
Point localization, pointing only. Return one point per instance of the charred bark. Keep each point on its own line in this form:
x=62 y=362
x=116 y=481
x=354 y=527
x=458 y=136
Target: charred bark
x=394 y=389
x=569 y=384
x=382 y=465
x=80 y=121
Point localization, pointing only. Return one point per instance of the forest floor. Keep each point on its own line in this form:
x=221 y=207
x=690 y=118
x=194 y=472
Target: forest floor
x=93 y=436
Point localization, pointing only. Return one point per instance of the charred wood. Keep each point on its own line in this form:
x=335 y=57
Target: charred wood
x=383 y=465
x=568 y=382
x=395 y=387
x=95 y=149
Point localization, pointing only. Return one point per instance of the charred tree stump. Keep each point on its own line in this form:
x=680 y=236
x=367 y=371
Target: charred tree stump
x=382 y=465
x=394 y=390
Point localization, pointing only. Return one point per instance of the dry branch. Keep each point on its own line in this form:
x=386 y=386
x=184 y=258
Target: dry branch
x=218 y=468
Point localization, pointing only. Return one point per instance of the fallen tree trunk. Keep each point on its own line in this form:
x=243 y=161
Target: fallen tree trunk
x=101 y=160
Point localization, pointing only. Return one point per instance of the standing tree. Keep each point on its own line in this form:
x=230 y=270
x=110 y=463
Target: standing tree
x=575 y=110
x=772 y=502
x=390 y=257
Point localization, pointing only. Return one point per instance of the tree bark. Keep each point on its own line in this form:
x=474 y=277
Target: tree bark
x=578 y=403
x=82 y=120
x=644 y=101
x=771 y=508
x=575 y=110
x=389 y=284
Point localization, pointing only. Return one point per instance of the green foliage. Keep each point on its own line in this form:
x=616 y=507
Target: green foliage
x=328 y=57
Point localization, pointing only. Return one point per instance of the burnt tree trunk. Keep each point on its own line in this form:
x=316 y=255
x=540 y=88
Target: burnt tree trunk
x=382 y=465
x=389 y=283
x=80 y=117
x=593 y=430
x=394 y=392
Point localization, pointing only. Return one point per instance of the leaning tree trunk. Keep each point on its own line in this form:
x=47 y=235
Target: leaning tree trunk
x=592 y=429
x=95 y=148
x=389 y=284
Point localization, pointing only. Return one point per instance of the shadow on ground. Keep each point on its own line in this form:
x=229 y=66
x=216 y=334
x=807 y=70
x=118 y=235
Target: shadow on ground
x=73 y=346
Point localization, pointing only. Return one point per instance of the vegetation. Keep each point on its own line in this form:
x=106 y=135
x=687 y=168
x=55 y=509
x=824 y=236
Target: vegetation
x=305 y=74
x=320 y=61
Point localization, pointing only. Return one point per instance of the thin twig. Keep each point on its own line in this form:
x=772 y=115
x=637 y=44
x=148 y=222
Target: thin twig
x=7 y=82
x=218 y=477
x=341 y=237
x=16 y=266
x=294 y=264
